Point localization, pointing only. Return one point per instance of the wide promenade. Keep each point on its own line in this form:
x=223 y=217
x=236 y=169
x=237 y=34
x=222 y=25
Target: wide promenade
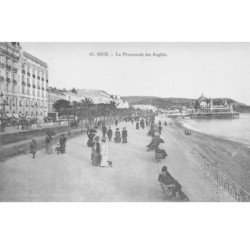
x=133 y=177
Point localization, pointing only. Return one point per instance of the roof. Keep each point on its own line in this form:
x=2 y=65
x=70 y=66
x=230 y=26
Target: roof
x=202 y=98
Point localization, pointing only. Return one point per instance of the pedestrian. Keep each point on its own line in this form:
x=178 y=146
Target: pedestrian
x=62 y=144
x=160 y=129
x=48 y=144
x=91 y=136
x=124 y=135
x=104 y=131
x=95 y=155
x=117 y=138
x=110 y=133
x=137 y=125
x=142 y=123
x=104 y=154
x=33 y=148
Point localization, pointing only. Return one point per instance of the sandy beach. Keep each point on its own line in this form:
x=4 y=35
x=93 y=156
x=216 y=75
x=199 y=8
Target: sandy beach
x=230 y=158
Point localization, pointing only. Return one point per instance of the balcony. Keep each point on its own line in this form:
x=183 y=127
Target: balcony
x=14 y=81
x=28 y=84
x=34 y=76
x=28 y=73
x=38 y=77
x=8 y=80
x=42 y=88
x=34 y=86
x=23 y=72
x=24 y=83
x=14 y=70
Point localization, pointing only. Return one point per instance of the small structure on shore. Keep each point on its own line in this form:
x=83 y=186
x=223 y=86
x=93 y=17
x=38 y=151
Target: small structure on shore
x=206 y=109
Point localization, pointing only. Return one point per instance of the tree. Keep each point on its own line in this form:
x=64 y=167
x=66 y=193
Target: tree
x=61 y=106
x=85 y=106
x=87 y=102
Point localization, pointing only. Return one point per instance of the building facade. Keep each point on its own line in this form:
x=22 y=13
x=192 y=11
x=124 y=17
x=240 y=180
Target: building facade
x=23 y=82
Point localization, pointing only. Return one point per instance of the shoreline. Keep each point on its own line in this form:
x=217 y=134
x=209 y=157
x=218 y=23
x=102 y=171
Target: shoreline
x=229 y=157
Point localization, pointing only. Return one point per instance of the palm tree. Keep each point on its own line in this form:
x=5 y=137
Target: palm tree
x=86 y=104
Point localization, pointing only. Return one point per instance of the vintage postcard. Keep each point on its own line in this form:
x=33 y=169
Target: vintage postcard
x=124 y=122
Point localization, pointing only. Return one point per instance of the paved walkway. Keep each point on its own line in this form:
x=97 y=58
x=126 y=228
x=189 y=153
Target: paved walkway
x=71 y=177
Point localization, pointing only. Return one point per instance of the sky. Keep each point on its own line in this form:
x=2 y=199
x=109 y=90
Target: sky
x=184 y=69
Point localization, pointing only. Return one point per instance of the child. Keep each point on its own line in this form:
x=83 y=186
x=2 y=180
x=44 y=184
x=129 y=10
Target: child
x=58 y=148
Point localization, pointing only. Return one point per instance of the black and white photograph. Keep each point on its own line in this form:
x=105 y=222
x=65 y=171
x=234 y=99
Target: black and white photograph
x=124 y=122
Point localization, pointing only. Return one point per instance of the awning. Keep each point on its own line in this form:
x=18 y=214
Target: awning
x=15 y=116
x=8 y=115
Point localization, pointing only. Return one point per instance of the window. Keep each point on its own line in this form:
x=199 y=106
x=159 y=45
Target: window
x=15 y=64
x=8 y=62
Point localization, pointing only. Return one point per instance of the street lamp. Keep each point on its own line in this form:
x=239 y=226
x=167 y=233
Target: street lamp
x=2 y=104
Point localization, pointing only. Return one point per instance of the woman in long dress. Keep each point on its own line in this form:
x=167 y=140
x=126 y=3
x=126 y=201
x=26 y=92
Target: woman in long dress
x=95 y=155
x=62 y=143
x=117 y=138
x=104 y=154
x=48 y=144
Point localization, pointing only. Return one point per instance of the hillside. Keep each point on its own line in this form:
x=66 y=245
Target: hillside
x=167 y=103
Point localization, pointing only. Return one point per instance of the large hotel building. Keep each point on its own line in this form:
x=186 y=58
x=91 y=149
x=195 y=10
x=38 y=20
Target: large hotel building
x=23 y=82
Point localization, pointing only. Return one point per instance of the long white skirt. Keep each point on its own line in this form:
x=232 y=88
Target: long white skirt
x=104 y=161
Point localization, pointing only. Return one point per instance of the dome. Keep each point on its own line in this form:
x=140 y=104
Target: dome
x=202 y=98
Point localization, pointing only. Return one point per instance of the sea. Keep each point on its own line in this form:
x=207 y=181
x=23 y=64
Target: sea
x=231 y=129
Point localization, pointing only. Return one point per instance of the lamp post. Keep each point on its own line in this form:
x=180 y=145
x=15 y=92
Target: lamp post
x=2 y=104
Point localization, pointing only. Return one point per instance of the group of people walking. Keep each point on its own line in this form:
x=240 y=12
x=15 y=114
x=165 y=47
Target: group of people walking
x=60 y=147
x=99 y=155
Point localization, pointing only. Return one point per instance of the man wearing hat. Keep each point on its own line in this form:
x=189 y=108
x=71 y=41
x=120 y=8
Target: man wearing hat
x=170 y=186
x=110 y=133
x=62 y=143
x=124 y=135
x=166 y=182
